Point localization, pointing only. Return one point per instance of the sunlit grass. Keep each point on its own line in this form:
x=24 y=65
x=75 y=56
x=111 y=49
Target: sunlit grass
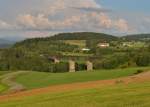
x=40 y=79
x=132 y=95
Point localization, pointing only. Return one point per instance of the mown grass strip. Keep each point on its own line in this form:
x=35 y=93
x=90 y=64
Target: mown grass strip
x=132 y=95
x=40 y=79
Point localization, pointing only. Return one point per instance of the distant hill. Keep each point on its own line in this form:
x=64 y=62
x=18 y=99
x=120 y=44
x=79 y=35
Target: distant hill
x=68 y=36
x=56 y=45
x=137 y=37
x=83 y=36
x=5 y=43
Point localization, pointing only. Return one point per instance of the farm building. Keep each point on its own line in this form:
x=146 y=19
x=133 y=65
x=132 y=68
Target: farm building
x=103 y=45
x=85 y=49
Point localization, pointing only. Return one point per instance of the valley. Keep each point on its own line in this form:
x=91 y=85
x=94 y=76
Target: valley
x=76 y=68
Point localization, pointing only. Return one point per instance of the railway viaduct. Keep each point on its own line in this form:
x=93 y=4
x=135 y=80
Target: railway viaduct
x=72 y=64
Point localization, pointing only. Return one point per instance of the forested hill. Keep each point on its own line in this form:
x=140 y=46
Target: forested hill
x=137 y=37
x=83 y=36
x=74 y=36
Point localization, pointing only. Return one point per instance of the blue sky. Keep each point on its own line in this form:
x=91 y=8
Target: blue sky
x=127 y=5
x=34 y=18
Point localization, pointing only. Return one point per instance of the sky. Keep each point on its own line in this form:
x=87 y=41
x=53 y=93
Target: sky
x=38 y=18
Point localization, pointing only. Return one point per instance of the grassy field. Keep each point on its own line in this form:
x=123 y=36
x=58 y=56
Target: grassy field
x=4 y=72
x=2 y=88
x=132 y=95
x=76 y=54
x=40 y=79
x=80 y=43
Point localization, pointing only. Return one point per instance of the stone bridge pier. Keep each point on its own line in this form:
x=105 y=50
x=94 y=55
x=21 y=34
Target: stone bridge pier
x=89 y=65
x=72 y=66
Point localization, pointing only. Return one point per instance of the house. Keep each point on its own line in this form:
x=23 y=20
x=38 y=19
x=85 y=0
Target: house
x=128 y=44
x=85 y=49
x=103 y=45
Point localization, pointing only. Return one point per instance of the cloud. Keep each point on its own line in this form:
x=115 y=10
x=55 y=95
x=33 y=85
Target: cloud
x=147 y=19
x=33 y=34
x=56 y=6
x=102 y=19
x=26 y=21
x=29 y=21
x=4 y=25
x=91 y=9
x=105 y=22
x=122 y=25
x=41 y=22
x=81 y=21
x=68 y=15
x=38 y=17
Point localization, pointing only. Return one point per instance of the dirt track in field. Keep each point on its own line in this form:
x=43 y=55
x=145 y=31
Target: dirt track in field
x=75 y=86
x=8 y=79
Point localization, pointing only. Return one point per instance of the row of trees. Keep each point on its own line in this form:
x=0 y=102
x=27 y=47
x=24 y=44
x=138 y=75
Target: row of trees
x=123 y=61
x=16 y=59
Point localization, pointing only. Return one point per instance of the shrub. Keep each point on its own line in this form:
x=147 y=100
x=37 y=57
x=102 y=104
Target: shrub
x=61 y=67
x=98 y=64
x=139 y=71
x=143 y=59
x=80 y=66
x=115 y=61
x=110 y=63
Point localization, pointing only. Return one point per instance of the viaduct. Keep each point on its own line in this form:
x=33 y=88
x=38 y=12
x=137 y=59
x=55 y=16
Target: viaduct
x=72 y=64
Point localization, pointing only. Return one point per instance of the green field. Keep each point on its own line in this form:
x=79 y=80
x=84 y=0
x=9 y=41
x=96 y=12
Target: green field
x=4 y=72
x=118 y=95
x=2 y=88
x=132 y=95
x=80 y=43
x=40 y=79
x=76 y=54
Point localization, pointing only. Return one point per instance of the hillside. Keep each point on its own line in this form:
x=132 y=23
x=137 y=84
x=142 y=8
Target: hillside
x=105 y=93
x=37 y=54
x=63 y=42
x=74 y=36
x=137 y=37
x=83 y=36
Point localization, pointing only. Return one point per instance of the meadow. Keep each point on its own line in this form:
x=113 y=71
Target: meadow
x=41 y=79
x=4 y=72
x=80 y=43
x=132 y=95
x=120 y=94
x=2 y=88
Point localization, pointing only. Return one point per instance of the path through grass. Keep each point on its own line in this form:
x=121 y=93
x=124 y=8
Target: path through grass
x=2 y=86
